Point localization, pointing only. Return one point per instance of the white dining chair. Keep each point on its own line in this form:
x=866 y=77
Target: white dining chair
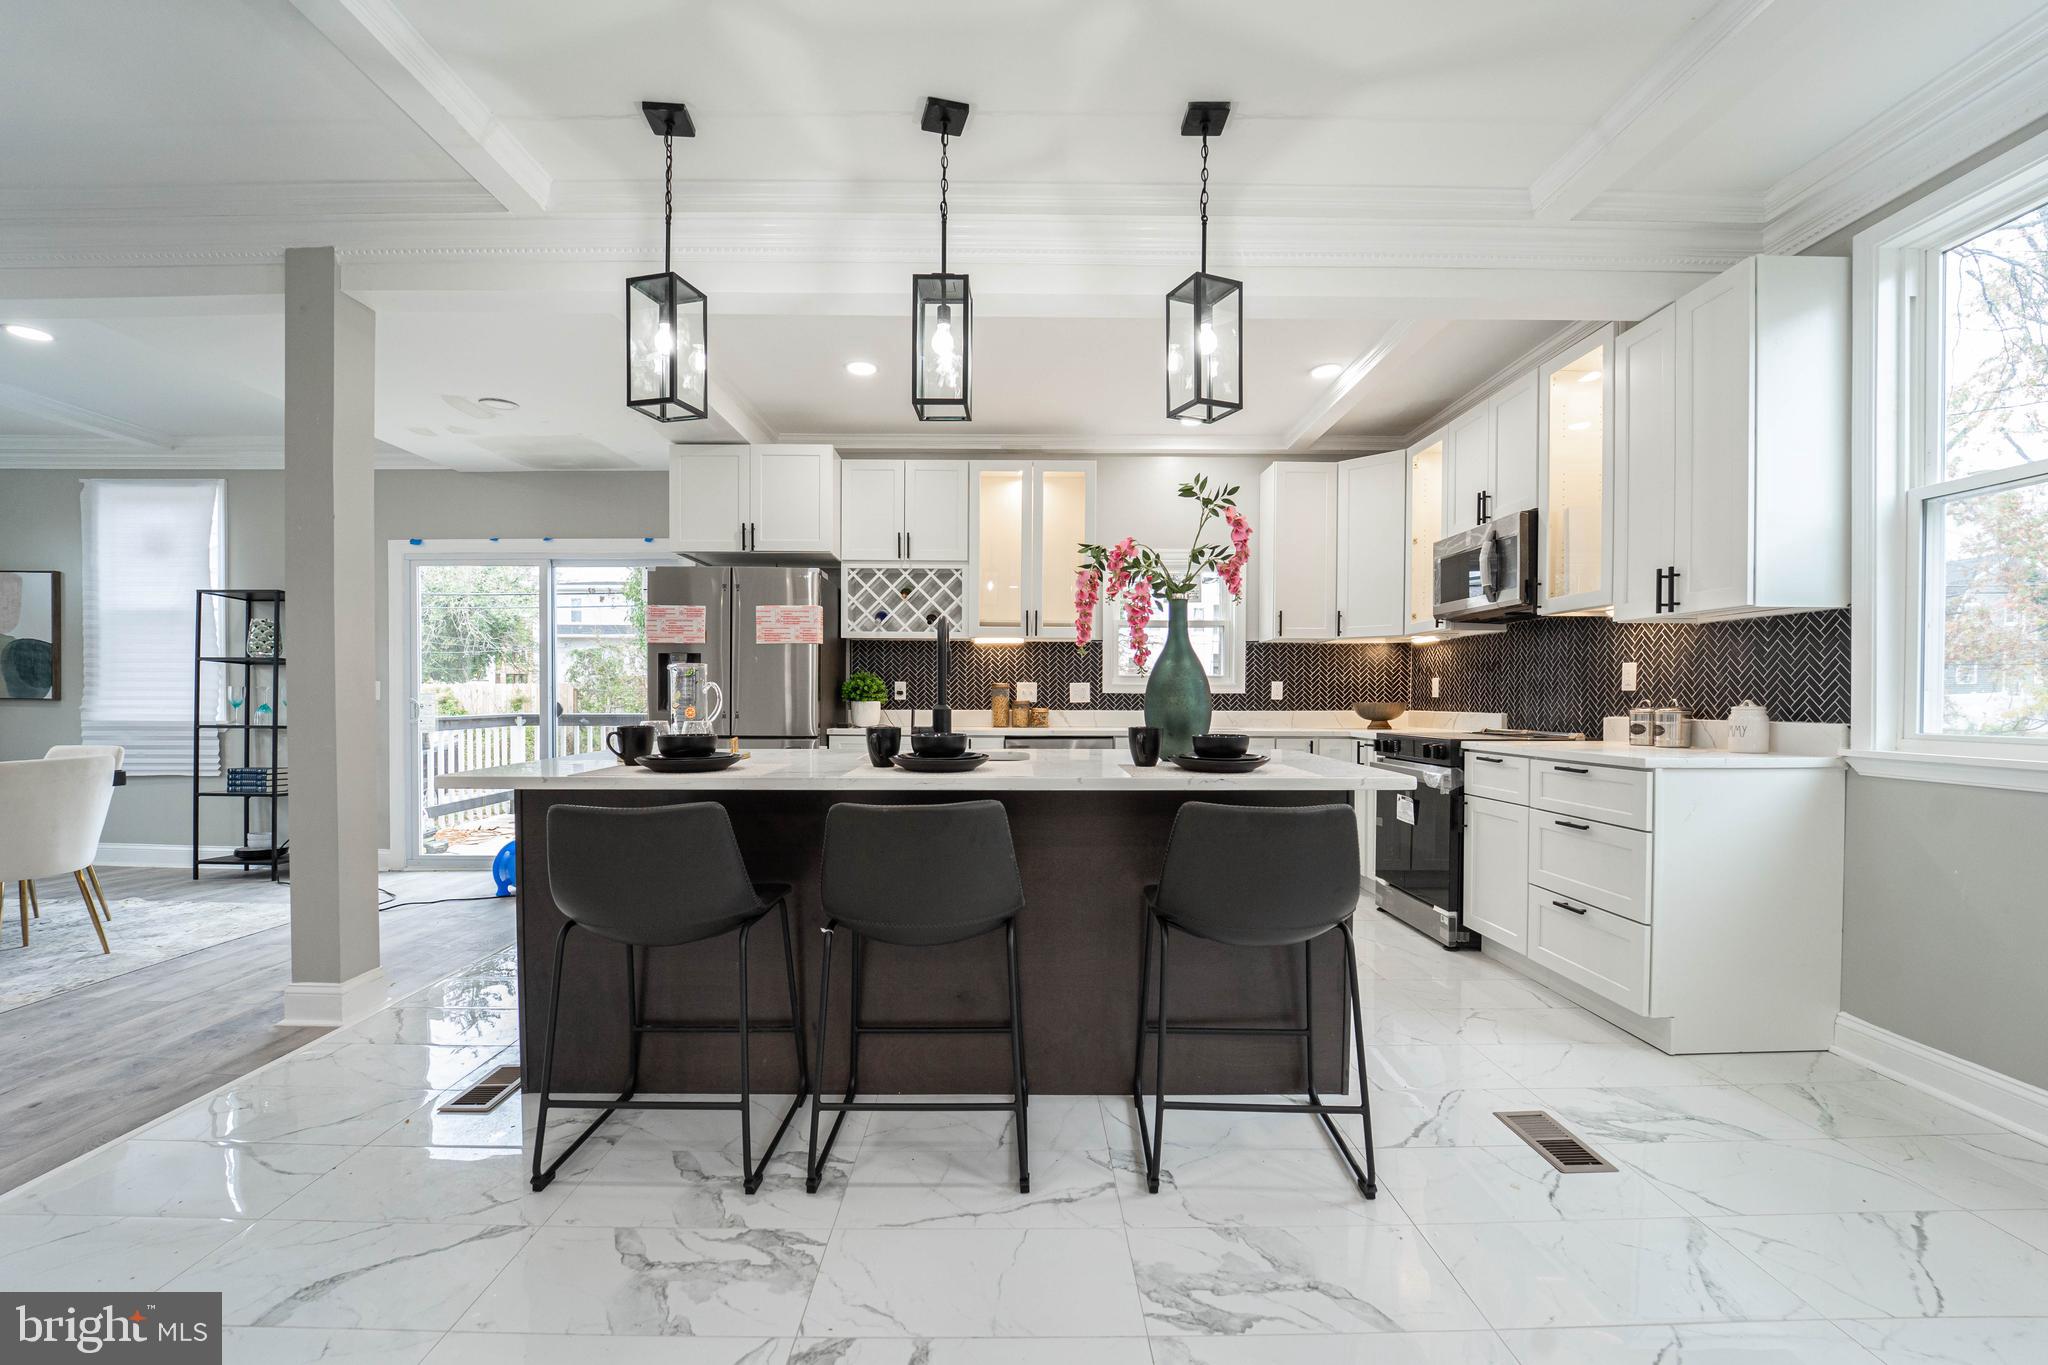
x=51 y=813
x=120 y=756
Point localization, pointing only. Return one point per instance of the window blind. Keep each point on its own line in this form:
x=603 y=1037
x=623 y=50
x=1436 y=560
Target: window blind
x=150 y=545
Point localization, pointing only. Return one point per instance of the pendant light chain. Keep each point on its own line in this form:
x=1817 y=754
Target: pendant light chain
x=945 y=165
x=668 y=201
x=1205 y=203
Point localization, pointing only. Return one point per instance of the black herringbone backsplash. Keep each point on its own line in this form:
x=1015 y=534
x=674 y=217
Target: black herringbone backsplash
x=1553 y=673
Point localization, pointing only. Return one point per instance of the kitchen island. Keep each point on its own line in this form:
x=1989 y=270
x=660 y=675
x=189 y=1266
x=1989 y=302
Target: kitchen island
x=1090 y=830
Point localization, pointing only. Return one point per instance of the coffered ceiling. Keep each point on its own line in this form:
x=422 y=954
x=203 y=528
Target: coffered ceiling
x=1421 y=193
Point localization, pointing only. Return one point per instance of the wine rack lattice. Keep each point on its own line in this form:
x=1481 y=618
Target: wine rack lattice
x=892 y=601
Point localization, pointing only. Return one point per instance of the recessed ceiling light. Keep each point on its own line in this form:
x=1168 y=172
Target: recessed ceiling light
x=21 y=331
x=501 y=404
x=860 y=369
x=1329 y=369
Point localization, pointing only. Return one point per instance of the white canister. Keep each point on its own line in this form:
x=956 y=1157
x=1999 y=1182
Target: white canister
x=1749 y=728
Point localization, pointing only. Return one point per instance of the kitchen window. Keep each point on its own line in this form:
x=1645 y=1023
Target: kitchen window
x=1952 y=554
x=1215 y=629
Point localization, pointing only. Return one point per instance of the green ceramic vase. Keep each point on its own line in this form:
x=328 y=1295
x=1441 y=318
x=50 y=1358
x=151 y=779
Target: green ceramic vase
x=1177 y=692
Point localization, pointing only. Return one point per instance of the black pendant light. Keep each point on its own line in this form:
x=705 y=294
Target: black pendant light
x=1204 y=312
x=667 y=370
x=941 y=305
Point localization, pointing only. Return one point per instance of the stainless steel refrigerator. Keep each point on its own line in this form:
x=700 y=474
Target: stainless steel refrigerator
x=776 y=694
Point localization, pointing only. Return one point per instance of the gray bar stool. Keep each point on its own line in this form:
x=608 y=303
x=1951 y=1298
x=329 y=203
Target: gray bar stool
x=661 y=877
x=1254 y=877
x=915 y=877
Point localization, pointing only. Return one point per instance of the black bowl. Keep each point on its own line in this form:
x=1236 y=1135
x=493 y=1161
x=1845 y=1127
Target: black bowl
x=937 y=744
x=685 y=746
x=1221 y=746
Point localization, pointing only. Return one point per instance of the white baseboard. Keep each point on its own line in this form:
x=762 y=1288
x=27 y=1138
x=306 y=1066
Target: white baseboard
x=156 y=855
x=1991 y=1094
x=335 y=1004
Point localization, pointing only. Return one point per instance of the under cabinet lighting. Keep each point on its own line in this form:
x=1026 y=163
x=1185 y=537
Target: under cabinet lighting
x=21 y=331
x=1423 y=639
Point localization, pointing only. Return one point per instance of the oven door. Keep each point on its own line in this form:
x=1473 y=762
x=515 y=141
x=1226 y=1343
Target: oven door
x=1419 y=835
x=1487 y=573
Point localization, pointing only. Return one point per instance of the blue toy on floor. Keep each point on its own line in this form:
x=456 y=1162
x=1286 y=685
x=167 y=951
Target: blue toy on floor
x=502 y=868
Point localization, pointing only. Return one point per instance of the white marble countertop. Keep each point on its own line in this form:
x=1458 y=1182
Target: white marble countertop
x=1624 y=755
x=1077 y=724
x=843 y=771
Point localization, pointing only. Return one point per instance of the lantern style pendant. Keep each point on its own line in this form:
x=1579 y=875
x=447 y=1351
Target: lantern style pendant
x=1204 y=312
x=941 y=305
x=667 y=369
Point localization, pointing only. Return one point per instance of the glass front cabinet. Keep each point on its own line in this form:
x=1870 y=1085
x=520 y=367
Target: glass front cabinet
x=1026 y=521
x=1576 y=458
x=1425 y=528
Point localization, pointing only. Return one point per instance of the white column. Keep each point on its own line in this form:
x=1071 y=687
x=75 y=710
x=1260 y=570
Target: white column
x=329 y=362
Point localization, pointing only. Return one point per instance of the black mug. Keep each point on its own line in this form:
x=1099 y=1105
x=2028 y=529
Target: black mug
x=631 y=742
x=884 y=743
x=1145 y=745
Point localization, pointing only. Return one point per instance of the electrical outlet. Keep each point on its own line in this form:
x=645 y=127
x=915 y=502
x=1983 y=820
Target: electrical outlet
x=899 y=691
x=1077 y=694
x=1279 y=690
x=1628 y=675
x=1436 y=687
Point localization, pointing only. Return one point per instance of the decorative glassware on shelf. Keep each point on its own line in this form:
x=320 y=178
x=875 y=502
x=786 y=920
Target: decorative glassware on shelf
x=262 y=638
x=236 y=697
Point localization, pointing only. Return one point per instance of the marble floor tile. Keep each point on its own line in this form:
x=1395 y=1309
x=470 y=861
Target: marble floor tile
x=179 y=1179
x=1511 y=1185
x=1977 y=1171
x=324 y=1345
x=1781 y=1068
x=1248 y=1281
x=432 y=1185
x=1699 y=1343
x=365 y=1068
x=706 y=1129
x=639 y=1185
x=970 y=1351
x=1488 y=992
x=78 y=1252
x=1736 y=1178
x=1423 y=1066
x=1375 y=1348
x=1899 y=1265
x=1529 y=1027
x=405 y=1276
x=975 y=1282
x=1877 y=1108
x=2029 y=1225
x=1223 y=1187
x=1058 y=1123
x=1596 y=1274
x=652 y=1282
x=1538 y=1066
x=977 y=1188
x=1445 y=1118
x=1953 y=1341
x=522 y=1348
x=436 y=1025
x=1405 y=1025
x=475 y=990
x=256 y=1112
x=1673 y=1113
x=421 y=1126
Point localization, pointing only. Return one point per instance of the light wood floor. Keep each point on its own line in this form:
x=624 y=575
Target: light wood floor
x=86 y=1066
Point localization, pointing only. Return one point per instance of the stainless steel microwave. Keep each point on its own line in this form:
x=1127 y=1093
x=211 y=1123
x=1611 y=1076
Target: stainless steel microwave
x=1489 y=572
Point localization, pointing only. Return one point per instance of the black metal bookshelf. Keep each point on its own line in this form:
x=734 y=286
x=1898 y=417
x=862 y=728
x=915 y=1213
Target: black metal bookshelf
x=262 y=743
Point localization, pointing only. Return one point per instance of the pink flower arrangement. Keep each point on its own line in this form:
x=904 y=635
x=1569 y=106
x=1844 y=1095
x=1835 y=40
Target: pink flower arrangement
x=1138 y=576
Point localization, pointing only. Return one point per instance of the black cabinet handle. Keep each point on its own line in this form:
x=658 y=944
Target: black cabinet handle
x=1673 y=590
x=1567 y=905
x=1570 y=825
x=1340 y=620
x=1580 y=771
x=906 y=544
x=1280 y=625
x=1488 y=758
x=1660 y=591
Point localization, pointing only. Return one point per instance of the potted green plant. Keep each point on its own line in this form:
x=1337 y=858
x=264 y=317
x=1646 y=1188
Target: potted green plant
x=863 y=693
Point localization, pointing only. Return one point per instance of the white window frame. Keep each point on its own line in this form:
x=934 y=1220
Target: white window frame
x=1896 y=416
x=1114 y=679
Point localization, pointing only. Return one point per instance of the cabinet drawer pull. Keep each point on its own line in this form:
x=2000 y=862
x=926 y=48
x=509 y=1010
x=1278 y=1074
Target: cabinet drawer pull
x=1567 y=905
x=1488 y=758
x=1571 y=824
x=1580 y=771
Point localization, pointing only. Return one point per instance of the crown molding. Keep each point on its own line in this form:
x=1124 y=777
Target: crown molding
x=1515 y=369
x=308 y=202
x=1685 y=210
x=86 y=452
x=125 y=435
x=1999 y=88
x=1178 y=442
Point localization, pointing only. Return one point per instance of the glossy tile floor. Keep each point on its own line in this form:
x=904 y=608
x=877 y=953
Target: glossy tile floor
x=1769 y=1209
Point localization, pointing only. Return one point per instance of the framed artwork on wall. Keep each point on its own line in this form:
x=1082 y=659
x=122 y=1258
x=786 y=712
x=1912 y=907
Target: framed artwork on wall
x=31 y=621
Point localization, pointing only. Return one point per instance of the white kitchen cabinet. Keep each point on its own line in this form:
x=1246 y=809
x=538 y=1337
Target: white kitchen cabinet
x=1296 y=551
x=1575 y=461
x=1514 y=428
x=1497 y=871
x=1026 y=521
x=1372 y=545
x=911 y=511
x=1425 y=528
x=775 y=499
x=1468 y=467
x=1757 y=462
x=1646 y=463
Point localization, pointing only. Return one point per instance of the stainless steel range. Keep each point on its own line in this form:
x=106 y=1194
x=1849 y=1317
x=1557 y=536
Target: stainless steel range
x=1419 y=836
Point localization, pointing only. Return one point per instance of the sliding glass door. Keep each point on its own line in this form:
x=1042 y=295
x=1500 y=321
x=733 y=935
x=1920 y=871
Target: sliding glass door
x=512 y=659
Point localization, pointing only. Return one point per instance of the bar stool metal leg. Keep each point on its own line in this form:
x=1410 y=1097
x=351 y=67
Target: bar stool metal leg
x=1159 y=1076
x=750 y=1178
x=1138 y=1051
x=814 y=1165
x=1370 y=1186
x=542 y=1179
x=1018 y=1085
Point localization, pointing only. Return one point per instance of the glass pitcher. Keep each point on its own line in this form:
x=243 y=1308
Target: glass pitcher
x=694 y=701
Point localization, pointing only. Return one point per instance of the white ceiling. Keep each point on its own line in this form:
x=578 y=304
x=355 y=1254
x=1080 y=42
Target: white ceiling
x=1436 y=189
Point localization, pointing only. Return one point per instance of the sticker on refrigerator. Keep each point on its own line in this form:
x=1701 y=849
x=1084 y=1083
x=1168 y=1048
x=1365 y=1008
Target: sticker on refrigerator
x=675 y=625
x=1404 y=809
x=794 y=624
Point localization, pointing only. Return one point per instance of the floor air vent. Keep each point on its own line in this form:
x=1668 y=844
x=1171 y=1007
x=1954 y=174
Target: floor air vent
x=1554 y=1142
x=487 y=1094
